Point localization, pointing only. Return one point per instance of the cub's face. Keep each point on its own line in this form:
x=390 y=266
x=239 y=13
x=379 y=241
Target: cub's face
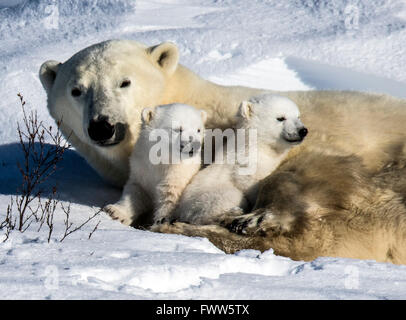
x=276 y=119
x=180 y=126
x=99 y=93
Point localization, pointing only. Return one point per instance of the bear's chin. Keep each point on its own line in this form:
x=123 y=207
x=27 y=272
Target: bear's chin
x=106 y=144
x=293 y=141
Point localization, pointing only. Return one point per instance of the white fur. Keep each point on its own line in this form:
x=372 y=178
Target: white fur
x=98 y=72
x=221 y=188
x=348 y=122
x=157 y=187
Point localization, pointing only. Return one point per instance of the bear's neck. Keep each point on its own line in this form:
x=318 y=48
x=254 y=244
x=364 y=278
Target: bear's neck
x=263 y=157
x=186 y=87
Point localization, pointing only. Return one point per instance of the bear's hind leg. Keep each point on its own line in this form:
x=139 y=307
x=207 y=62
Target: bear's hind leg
x=259 y=223
x=223 y=239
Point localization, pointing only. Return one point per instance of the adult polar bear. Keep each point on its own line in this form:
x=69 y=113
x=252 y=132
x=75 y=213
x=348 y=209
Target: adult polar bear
x=100 y=91
x=99 y=94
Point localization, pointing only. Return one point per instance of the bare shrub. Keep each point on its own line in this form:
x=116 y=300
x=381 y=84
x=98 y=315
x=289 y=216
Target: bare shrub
x=70 y=227
x=39 y=163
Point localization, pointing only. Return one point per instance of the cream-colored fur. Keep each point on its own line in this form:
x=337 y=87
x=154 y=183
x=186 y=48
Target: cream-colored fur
x=156 y=187
x=317 y=203
x=354 y=122
x=370 y=127
x=232 y=187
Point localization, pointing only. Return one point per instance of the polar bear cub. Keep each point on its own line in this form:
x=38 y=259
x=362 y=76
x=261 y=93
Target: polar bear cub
x=166 y=156
x=220 y=189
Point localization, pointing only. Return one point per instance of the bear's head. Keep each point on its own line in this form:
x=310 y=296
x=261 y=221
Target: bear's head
x=98 y=94
x=276 y=119
x=179 y=128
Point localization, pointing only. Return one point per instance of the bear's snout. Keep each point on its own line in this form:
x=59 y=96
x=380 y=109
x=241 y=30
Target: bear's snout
x=102 y=131
x=303 y=132
x=296 y=136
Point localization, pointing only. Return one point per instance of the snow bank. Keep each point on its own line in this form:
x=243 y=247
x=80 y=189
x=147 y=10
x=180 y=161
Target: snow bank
x=281 y=45
x=47 y=20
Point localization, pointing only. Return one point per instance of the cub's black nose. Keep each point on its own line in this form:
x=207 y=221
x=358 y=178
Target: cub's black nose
x=303 y=132
x=100 y=130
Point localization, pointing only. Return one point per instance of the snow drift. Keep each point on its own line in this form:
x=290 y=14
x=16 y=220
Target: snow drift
x=282 y=45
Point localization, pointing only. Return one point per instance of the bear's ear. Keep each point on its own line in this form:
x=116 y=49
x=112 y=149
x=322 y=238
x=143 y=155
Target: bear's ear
x=147 y=114
x=204 y=115
x=166 y=55
x=246 y=109
x=47 y=74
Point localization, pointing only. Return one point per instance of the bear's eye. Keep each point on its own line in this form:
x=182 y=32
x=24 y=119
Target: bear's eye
x=198 y=130
x=126 y=83
x=76 y=92
x=280 y=119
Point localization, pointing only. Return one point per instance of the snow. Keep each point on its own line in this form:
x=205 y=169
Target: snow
x=281 y=45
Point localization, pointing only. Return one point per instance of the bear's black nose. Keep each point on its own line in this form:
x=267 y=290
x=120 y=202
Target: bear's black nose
x=303 y=132
x=100 y=130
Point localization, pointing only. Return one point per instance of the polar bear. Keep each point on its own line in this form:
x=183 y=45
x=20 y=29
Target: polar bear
x=158 y=176
x=223 y=187
x=99 y=94
x=317 y=203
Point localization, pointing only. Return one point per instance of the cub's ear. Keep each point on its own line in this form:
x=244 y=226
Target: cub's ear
x=147 y=114
x=166 y=55
x=204 y=115
x=246 y=109
x=47 y=74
